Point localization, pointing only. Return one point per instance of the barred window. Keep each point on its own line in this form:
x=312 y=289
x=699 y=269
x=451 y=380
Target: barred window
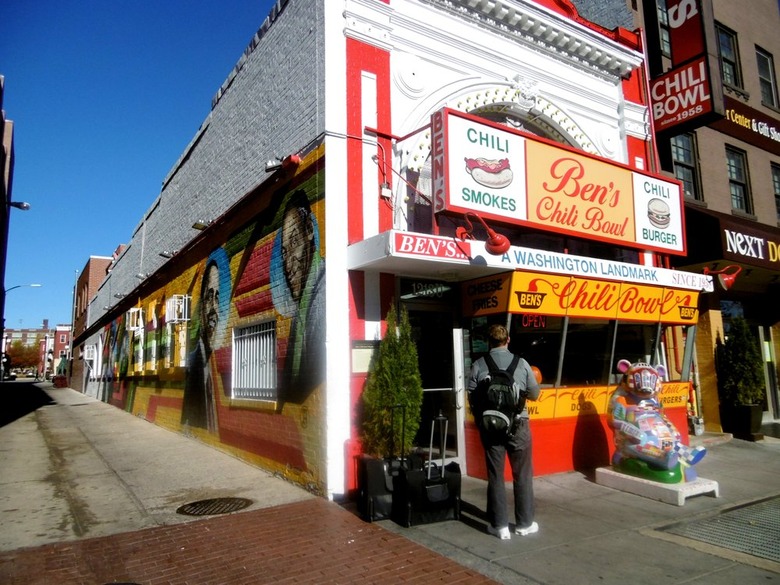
x=736 y=161
x=254 y=361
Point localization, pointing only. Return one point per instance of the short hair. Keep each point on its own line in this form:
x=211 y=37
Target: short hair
x=497 y=335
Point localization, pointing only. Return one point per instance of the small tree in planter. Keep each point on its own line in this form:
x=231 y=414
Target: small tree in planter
x=740 y=380
x=392 y=399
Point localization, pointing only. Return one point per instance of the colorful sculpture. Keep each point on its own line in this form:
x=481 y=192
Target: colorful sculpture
x=647 y=444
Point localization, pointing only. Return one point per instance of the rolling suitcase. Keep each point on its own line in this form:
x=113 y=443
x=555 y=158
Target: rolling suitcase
x=430 y=494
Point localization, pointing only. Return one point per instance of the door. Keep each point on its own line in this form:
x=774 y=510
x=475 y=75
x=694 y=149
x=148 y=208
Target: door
x=438 y=340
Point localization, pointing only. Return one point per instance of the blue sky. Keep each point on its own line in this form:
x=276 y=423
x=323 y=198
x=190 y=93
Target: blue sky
x=104 y=96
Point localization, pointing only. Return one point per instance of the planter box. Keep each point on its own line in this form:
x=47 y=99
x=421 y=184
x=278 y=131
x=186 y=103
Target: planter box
x=742 y=420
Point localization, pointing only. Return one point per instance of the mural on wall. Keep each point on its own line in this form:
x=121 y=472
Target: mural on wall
x=297 y=286
x=199 y=406
x=267 y=280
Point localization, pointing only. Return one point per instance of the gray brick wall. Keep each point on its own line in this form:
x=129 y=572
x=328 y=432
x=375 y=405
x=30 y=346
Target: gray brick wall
x=608 y=13
x=270 y=105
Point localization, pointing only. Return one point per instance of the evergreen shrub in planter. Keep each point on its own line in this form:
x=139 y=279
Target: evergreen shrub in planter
x=392 y=398
x=740 y=381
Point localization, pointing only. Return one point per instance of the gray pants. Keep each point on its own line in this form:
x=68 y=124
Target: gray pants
x=518 y=448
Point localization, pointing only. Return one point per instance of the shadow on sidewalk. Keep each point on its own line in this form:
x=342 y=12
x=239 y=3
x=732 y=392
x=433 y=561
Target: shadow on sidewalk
x=18 y=399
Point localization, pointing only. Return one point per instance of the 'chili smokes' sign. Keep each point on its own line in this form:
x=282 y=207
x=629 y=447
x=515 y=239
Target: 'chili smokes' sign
x=510 y=176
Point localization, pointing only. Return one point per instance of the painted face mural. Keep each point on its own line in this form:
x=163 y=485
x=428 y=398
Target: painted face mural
x=297 y=247
x=297 y=286
x=200 y=389
x=209 y=306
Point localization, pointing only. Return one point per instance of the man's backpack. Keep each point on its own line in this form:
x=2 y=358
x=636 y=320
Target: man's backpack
x=498 y=399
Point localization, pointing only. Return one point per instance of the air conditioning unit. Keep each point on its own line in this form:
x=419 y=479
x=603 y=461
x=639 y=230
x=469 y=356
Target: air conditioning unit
x=177 y=309
x=135 y=319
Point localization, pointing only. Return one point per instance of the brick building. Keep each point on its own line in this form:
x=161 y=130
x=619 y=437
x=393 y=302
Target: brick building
x=374 y=137
x=87 y=284
x=724 y=145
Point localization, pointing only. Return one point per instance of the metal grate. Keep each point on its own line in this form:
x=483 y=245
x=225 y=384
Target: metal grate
x=753 y=529
x=213 y=506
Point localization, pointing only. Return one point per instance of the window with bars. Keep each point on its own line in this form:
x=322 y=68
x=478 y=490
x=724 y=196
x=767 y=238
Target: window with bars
x=736 y=162
x=685 y=164
x=729 y=56
x=776 y=188
x=254 y=361
x=766 y=77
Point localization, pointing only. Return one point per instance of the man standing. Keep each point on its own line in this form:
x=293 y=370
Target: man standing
x=516 y=443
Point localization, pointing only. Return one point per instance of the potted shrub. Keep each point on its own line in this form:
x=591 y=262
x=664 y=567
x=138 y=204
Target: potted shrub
x=740 y=381
x=391 y=415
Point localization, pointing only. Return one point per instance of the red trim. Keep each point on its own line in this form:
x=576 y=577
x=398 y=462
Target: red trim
x=360 y=58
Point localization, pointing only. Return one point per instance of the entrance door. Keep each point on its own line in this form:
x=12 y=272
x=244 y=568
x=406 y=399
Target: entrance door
x=437 y=337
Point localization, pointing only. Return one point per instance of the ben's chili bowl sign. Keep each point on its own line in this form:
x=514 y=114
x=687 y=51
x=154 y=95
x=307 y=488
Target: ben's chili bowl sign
x=506 y=175
x=582 y=297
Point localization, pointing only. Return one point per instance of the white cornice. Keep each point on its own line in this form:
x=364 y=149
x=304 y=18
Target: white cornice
x=368 y=21
x=533 y=24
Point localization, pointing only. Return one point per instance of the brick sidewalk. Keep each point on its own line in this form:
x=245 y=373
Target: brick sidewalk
x=313 y=541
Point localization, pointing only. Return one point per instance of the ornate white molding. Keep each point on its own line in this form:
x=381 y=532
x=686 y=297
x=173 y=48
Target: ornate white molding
x=519 y=99
x=547 y=30
x=369 y=21
x=636 y=120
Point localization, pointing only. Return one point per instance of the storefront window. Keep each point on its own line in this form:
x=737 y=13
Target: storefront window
x=537 y=338
x=591 y=347
x=587 y=352
x=635 y=342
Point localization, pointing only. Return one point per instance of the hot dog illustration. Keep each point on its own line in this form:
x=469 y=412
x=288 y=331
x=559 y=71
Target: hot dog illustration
x=494 y=174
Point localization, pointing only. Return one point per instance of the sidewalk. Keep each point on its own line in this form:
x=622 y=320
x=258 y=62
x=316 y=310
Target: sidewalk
x=88 y=494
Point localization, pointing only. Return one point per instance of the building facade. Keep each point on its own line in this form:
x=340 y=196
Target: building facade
x=722 y=76
x=6 y=185
x=393 y=142
x=87 y=284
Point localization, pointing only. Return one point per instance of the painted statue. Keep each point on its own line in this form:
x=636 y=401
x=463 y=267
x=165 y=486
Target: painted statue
x=647 y=444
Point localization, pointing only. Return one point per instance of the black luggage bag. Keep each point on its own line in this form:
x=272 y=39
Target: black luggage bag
x=430 y=494
x=376 y=477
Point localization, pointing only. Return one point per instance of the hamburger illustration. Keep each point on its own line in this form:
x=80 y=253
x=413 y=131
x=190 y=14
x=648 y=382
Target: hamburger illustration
x=494 y=174
x=658 y=213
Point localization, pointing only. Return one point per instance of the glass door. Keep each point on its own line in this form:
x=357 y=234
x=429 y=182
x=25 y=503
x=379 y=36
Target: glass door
x=434 y=332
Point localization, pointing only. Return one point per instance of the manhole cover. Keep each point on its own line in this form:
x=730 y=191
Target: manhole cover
x=214 y=506
x=753 y=529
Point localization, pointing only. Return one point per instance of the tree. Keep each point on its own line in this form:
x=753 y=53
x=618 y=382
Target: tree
x=23 y=356
x=739 y=366
x=394 y=381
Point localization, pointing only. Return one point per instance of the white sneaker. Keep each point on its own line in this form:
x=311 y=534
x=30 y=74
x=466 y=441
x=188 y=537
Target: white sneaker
x=532 y=529
x=502 y=533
